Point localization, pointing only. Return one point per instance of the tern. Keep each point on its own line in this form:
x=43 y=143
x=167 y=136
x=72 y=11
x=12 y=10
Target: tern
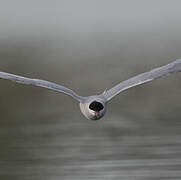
x=94 y=107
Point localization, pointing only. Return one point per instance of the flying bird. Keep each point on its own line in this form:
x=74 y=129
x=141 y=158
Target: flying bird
x=94 y=107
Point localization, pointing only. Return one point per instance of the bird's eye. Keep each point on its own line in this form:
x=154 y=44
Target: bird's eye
x=96 y=106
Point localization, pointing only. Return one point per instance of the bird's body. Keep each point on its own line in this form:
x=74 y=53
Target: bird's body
x=94 y=107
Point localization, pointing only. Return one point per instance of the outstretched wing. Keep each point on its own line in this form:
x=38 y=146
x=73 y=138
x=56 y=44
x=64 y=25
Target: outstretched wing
x=143 y=78
x=41 y=83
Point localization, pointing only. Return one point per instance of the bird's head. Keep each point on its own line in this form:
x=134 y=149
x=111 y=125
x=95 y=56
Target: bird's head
x=93 y=108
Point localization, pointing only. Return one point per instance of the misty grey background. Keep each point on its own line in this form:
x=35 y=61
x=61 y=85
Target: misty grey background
x=89 y=46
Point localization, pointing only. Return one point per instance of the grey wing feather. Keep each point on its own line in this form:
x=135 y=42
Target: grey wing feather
x=168 y=69
x=41 y=83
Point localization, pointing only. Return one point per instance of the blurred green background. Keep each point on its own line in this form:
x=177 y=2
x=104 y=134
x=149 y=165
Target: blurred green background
x=89 y=46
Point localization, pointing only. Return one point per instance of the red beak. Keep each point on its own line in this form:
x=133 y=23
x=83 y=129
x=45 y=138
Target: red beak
x=96 y=113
